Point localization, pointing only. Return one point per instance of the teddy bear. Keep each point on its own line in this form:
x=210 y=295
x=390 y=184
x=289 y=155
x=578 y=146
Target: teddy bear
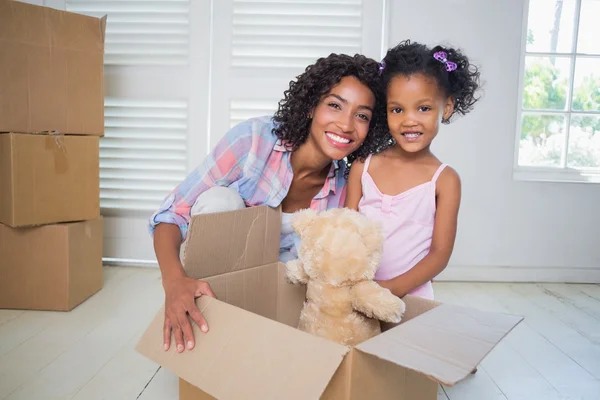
x=339 y=252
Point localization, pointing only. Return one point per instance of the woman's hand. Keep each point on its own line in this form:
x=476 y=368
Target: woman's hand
x=180 y=290
x=180 y=295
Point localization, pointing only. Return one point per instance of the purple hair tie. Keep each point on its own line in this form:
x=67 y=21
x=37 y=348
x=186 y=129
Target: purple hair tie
x=381 y=67
x=442 y=57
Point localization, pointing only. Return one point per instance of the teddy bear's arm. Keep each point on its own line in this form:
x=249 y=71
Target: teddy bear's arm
x=295 y=272
x=376 y=302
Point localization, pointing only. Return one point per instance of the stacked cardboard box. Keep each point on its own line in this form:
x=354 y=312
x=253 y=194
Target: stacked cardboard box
x=51 y=121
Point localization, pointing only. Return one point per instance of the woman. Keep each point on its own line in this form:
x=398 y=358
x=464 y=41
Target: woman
x=334 y=110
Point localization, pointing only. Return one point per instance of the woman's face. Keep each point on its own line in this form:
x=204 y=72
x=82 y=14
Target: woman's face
x=341 y=119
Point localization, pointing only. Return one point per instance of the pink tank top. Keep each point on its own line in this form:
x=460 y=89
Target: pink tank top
x=407 y=220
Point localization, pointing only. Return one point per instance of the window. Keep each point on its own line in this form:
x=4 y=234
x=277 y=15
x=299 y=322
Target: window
x=559 y=114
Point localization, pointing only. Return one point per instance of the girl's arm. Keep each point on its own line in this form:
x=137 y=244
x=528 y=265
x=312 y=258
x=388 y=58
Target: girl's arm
x=354 y=187
x=444 y=233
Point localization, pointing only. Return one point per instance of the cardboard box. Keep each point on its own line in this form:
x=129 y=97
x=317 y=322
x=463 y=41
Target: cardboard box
x=52 y=267
x=52 y=70
x=254 y=351
x=46 y=179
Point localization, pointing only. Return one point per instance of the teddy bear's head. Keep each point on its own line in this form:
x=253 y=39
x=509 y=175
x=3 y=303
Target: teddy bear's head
x=338 y=246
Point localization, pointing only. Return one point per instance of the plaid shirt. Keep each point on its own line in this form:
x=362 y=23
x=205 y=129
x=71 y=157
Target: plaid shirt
x=251 y=160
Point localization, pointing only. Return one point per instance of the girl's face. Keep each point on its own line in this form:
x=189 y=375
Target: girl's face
x=415 y=108
x=340 y=121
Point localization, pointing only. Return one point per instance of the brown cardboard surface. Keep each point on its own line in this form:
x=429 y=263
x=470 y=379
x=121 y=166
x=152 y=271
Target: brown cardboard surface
x=374 y=379
x=239 y=289
x=46 y=179
x=445 y=343
x=290 y=299
x=364 y=376
x=289 y=304
x=187 y=391
x=52 y=74
x=262 y=290
x=52 y=267
x=340 y=385
x=85 y=260
x=247 y=356
x=232 y=241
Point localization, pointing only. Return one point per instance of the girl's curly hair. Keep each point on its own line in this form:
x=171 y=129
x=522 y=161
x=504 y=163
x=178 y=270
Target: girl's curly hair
x=414 y=58
x=303 y=95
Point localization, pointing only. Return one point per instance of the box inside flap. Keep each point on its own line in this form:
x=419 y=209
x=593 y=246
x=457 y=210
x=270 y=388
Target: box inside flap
x=246 y=356
x=103 y=27
x=231 y=241
x=253 y=289
x=445 y=343
x=290 y=298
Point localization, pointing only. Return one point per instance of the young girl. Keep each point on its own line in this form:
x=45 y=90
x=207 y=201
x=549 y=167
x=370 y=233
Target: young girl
x=406 y=187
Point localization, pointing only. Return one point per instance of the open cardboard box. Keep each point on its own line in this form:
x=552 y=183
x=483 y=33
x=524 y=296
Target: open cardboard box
x=254 y=351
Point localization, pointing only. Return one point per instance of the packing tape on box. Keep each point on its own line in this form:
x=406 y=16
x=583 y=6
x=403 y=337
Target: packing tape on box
x=55 y=141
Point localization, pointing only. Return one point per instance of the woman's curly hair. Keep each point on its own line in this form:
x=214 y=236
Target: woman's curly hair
x=303 y=95
x=414 y=58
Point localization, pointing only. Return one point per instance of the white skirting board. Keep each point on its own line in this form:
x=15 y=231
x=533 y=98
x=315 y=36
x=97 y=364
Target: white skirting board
x=492 y=273
x=468 y=273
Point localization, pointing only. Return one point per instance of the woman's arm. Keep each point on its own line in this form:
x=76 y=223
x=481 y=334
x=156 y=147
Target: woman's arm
x=444 y=234
x=169 y=226
x=354 y=186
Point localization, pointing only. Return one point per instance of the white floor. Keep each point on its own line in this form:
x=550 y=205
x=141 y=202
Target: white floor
x=88 y=352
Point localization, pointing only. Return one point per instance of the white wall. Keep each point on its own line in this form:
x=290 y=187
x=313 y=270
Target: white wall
x=508 y=230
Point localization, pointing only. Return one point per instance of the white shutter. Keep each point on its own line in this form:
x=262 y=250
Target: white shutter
x=143 y=154
x=242 y=109
x=141 y=32
x=156 y=72
x=261 y=45
x=293 y=34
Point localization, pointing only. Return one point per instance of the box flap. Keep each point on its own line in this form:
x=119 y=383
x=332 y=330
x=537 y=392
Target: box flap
x=231 y=241
x=103 y=27
x=246 y=356
x=445 y=343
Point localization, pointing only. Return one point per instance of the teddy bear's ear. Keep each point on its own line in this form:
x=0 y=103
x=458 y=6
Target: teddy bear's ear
x=302 y=219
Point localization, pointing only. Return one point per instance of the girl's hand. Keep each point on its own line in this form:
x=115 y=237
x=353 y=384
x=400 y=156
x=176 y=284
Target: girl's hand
x=383 y=284
x=394 y=285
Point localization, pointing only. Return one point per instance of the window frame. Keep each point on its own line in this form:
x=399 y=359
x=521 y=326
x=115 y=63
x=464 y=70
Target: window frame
x=562 y=173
